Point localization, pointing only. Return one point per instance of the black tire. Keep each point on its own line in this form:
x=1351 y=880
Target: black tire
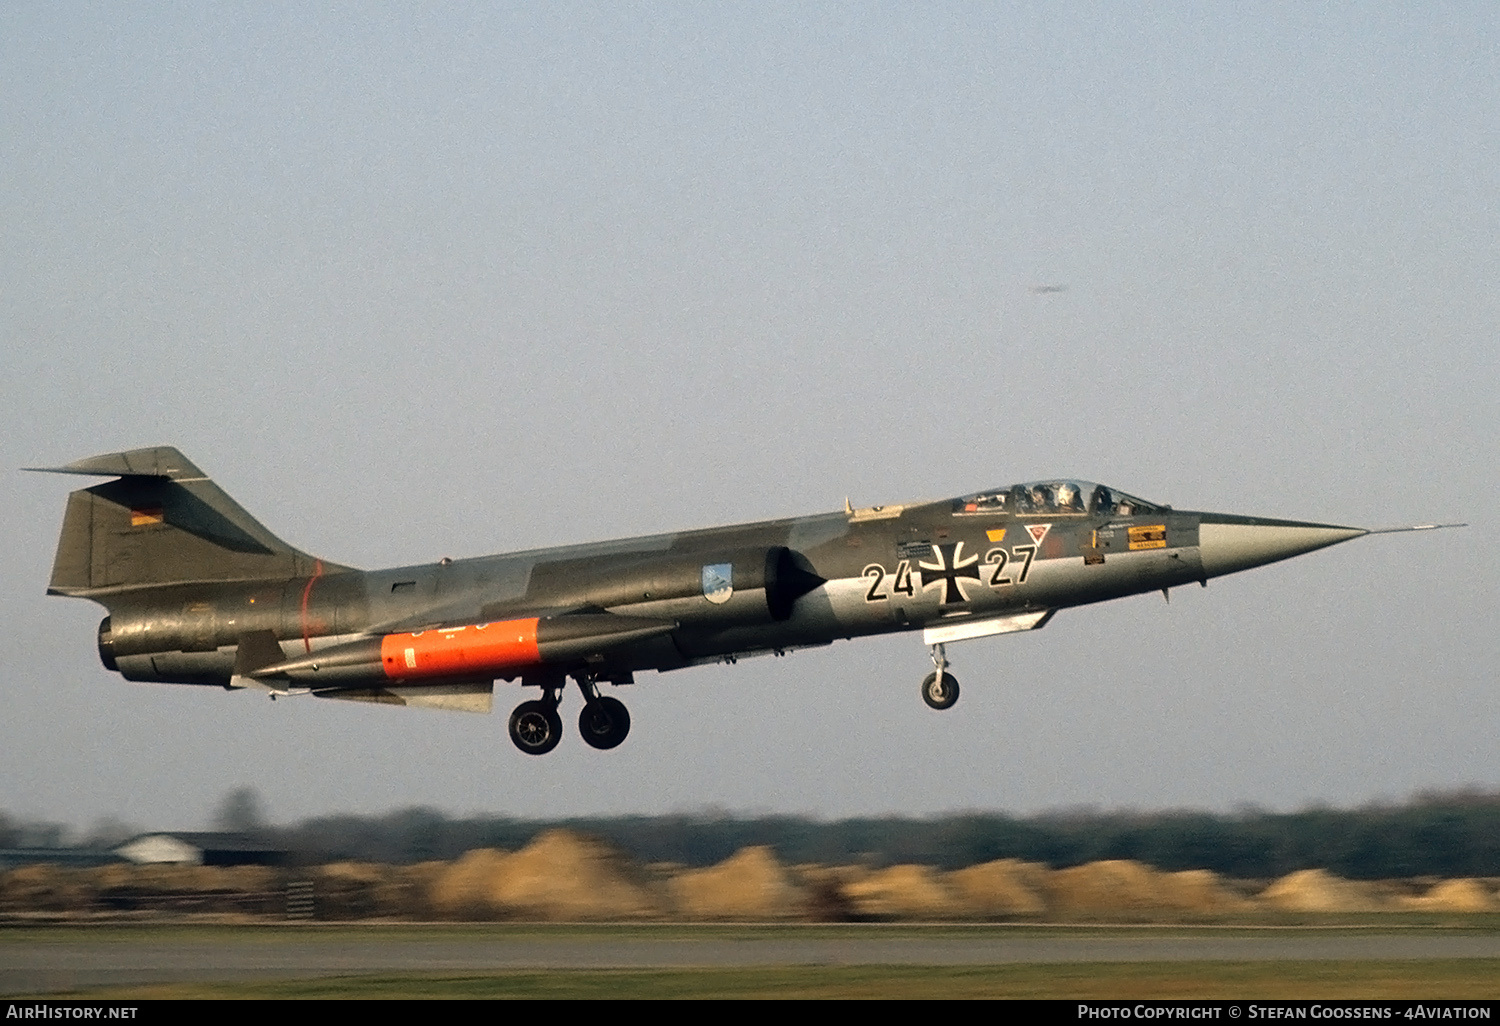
x=535 y=727
x=940 y=694
x=604 y=723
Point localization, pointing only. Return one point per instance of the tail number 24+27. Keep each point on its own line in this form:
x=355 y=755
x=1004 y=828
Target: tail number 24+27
x=996 y=559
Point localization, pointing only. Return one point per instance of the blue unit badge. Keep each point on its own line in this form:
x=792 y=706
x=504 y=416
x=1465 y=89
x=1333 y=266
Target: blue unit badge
x=718 y=582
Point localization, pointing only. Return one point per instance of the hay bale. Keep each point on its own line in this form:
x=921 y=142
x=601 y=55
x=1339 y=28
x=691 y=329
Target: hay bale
x=826 y=900
x=406 y=892
x=358 y=890
x=561 y=875
x=368 y=873
x=162 y=878
x=1112 y=886
x=1002 y=888
x=115 y=874
x=1199 y=890
x=244 y=878
x=1462 y=895
x=182 y=888
x=1317 y=890
x=558 y=876
x=45 y=888
x=422 y=882
x=463 y=887
x=906 y=891
x=750 y=884
x=184 y=878
x=1127 y=887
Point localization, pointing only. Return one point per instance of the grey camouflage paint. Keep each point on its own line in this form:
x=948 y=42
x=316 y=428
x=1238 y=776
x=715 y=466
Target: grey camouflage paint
x=189 y=578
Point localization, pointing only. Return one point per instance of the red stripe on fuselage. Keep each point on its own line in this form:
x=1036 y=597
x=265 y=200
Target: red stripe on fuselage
x=306 y=595
x=450 y=653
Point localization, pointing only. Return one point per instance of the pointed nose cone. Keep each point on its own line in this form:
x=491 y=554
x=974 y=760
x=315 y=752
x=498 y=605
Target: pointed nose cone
x=1229 y=543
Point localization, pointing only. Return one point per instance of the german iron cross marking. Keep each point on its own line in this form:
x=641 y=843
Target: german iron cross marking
x=949 y=568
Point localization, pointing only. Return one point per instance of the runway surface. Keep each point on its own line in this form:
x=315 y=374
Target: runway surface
x=49 y=961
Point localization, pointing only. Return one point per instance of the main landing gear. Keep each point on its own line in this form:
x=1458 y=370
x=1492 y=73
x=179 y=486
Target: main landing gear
x=535 y=726
x=604 y=722
x=940 y=688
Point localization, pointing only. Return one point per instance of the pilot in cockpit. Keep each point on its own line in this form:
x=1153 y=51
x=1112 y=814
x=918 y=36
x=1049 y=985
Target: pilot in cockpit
x=1067 y=498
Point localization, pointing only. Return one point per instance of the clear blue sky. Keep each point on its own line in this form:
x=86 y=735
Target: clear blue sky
x=454 y=280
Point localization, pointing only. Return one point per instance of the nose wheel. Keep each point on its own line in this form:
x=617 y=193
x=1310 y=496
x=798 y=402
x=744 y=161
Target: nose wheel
x=940 y=688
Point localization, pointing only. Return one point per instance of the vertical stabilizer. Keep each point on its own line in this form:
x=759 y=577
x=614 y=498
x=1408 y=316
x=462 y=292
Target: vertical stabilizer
x=162 y=521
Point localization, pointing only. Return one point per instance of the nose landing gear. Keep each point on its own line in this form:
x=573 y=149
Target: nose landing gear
x=940 y=688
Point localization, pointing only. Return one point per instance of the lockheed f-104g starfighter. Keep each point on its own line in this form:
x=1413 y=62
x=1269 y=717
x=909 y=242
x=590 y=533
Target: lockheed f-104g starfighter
x=199 y=592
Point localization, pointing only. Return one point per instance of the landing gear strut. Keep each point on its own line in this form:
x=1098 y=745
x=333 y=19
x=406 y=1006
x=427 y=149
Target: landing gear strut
x=940 y=688
x=536 y=728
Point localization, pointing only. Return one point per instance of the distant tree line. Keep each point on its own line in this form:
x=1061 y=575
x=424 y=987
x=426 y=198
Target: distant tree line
x=1440 y=834
x=1448 y=834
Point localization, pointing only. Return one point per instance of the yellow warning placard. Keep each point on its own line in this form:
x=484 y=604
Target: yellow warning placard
x=1148 y=536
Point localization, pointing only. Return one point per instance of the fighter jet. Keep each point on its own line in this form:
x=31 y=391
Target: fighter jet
x=199 y=592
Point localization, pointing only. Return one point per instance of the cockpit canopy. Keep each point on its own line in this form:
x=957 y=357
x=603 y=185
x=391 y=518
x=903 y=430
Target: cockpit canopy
x=1054 y=498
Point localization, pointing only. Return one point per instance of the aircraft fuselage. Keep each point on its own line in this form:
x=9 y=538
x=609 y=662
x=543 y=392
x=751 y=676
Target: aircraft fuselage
x=199 y=592
x=830 y=577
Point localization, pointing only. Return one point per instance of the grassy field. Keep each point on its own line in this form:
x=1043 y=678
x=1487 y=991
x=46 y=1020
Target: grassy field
x=1454 y=978
x=1463 y=978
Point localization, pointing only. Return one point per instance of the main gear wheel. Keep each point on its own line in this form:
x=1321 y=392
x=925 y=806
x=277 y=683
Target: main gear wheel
x=604 y=722
x=535 y=727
